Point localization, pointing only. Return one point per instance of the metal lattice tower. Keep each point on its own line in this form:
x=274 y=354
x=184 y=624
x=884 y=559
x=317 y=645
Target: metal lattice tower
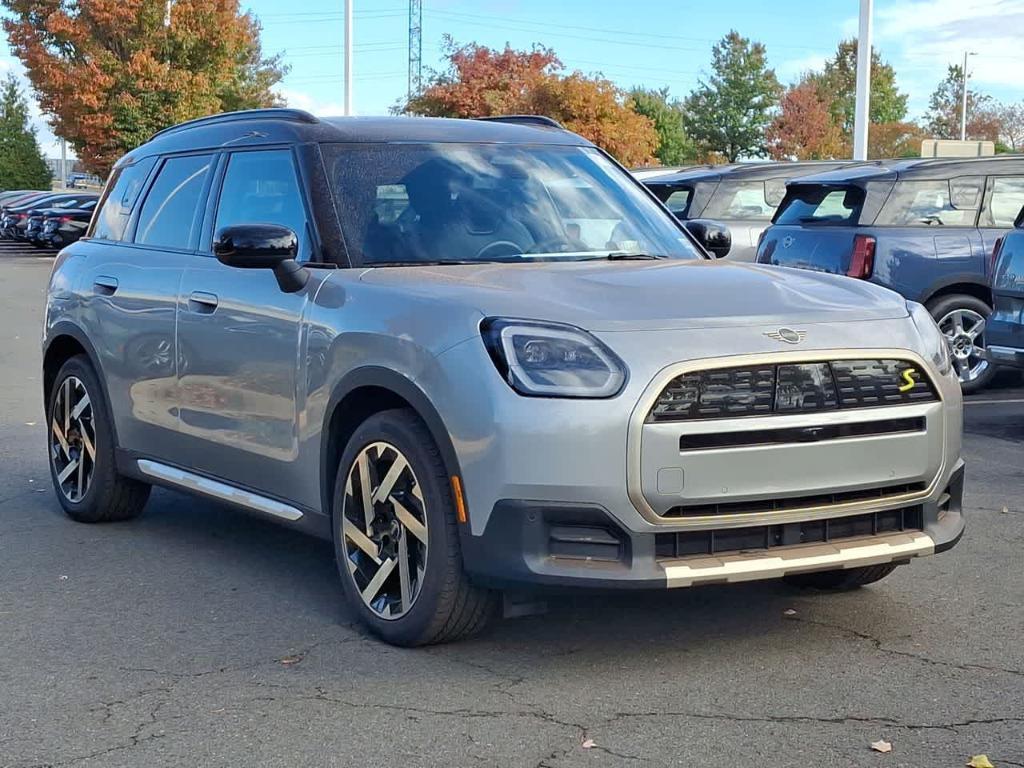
x=415 y=46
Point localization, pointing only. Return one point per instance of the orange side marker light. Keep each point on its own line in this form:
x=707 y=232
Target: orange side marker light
x=460 y=503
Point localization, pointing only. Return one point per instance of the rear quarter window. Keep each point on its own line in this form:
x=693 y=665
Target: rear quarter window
x=739 y=200
x=808 y=204
x=931 y=203
x=120 y=197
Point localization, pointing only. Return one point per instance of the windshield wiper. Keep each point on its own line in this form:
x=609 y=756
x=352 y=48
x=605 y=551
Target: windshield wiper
x=431 y=263
x=631 y=256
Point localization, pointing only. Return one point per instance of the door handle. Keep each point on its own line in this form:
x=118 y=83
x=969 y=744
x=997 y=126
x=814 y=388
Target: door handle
x=202 y=303
x=104 y=285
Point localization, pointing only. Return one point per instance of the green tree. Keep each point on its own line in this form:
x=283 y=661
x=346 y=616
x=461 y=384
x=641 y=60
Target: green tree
x=674 y=145
x=943 y=117
x=730 y=112
x=837 y=87
x=22 y=165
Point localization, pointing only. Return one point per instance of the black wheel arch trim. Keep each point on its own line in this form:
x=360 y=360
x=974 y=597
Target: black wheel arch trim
x=69 y=329
x=403 y=387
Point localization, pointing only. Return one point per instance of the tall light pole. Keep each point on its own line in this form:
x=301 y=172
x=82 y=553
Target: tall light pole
x=348 y=57
x=861 y=112
x=963 y=98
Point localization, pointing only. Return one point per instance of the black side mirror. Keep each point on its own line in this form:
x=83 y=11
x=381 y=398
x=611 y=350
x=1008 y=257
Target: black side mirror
x=262 y=246
x=716 y=238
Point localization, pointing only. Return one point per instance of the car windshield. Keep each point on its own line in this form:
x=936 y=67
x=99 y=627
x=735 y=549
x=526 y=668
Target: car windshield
x=441 y=203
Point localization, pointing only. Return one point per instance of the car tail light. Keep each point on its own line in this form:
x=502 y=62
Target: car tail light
x=995 y=256
x=862 y=261
x=22 y=216
x=64 y=219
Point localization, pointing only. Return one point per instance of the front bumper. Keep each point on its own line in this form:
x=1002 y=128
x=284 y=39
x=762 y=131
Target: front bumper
x=555 y=544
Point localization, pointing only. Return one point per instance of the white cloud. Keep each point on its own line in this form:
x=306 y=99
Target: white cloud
x=302 y=100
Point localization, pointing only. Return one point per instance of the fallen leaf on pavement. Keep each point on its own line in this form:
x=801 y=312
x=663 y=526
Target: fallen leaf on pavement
x=587 y=744
x=789 y=612
x=980 y=761
x=1006 y=511
x=290 y=661
x=881 y=746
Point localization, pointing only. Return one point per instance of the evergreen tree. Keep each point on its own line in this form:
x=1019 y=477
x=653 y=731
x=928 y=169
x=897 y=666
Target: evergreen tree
x=730 y=113
x=22 y=165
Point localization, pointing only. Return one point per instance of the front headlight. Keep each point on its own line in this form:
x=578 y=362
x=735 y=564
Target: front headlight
x=552 y=360
x=936 y=347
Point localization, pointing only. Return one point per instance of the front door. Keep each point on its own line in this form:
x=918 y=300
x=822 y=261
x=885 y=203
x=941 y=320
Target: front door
x=240 y=340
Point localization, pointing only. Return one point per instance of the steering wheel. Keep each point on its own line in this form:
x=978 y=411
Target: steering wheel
x=559 y=245
x=504 y=248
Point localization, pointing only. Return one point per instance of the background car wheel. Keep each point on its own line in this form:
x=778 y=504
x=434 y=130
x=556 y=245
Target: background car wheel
x=839 y=581
x=396 y=538
x=80 y=442
x=961 y=318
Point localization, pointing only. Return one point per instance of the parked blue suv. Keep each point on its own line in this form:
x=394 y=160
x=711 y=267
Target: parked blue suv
x=1005 y=330
x=925 y=228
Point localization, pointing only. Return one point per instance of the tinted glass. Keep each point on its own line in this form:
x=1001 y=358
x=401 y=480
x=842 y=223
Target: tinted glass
x=484 y=202
x=262 y=188
x=809 y=204
x=1010 y=267
x=1005 y=203
x=120 y=196
x=739 y=200
x=927 y=203
x=168 y=215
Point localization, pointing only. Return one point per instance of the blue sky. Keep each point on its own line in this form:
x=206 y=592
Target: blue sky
x=655 y=43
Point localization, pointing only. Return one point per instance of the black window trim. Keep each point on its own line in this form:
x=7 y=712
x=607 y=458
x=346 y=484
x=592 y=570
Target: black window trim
x=140 y=203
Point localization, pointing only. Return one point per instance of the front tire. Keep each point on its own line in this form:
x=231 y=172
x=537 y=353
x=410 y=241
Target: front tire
x=843 y=580
x=396 y=537
x=962 y=318
x=80 y=439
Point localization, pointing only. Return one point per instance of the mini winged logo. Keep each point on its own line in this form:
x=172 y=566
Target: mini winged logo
x=788 y=241
x=787 y=335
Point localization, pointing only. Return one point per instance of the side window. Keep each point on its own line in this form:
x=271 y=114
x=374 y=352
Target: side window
x=679 y=201
x=168 y=214
x=121 y=193
x=739 y=200
x=1005 y=202
x=929 y=203
x=262 y=188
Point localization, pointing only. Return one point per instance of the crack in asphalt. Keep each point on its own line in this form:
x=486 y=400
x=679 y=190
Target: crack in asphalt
x=879 y=645
x=781 y=719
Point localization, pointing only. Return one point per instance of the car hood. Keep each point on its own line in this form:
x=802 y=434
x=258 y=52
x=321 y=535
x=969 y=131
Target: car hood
x=648 y=295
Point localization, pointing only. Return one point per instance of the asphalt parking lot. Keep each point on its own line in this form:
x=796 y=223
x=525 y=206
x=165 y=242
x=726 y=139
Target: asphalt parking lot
x=199 y=636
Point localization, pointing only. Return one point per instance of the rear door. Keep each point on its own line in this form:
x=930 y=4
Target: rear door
x=1006 y=324
x=135 y=258
x=240 y=337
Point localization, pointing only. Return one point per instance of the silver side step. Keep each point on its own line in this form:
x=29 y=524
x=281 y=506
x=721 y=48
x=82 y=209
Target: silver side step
x=217 y=490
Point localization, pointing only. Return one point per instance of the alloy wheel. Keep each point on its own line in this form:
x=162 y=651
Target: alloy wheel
x=384 y=527
x=73 y=439
x=964 y=330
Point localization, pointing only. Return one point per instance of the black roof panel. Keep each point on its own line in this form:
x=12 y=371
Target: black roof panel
x=760 y=171
x=276 y=126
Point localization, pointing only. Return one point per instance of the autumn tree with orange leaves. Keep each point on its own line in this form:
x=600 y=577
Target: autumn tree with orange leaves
x=803 y=129
x=110 y=73
x=483 y=82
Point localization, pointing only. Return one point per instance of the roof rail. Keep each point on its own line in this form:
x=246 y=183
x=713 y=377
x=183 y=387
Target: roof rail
x=272 y=113
x=541 y=120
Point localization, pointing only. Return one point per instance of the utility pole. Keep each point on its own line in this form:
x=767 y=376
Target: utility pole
x=963 y=97
x=861 y=113
x=415 y=47
x=63 y=164
x=348 y=57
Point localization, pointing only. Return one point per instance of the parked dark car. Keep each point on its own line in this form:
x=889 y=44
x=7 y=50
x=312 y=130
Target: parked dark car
x=743 y=197
x=924 y=228
x=63 y=226
x=15 y=222
x=1005 y=329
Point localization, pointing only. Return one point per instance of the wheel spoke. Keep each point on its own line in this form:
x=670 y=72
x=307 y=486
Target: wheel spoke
x=68 y=470
x=388 y=483
x=958 y=322
x=81 y=477
x=364 y=481
x=59 y=434
x=361 y=540
x=67 y=405
x=378 y=580
x=977 y=329
x=403 y=571
x=407 y=519
x=81 y=406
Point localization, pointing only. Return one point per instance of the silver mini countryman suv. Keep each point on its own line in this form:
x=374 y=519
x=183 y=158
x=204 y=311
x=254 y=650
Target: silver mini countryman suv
x=479 y=356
